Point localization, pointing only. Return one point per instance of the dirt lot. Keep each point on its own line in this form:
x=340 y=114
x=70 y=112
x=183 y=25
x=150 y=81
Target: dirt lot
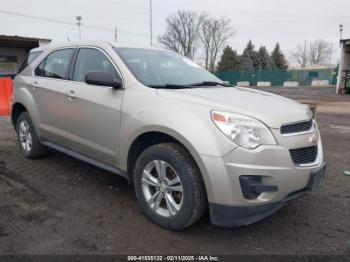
x=59 y=205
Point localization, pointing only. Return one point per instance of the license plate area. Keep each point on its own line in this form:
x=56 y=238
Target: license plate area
x=316 y=178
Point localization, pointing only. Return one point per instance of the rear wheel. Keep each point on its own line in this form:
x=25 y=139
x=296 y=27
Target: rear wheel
x=168 y=186
x=27 y=138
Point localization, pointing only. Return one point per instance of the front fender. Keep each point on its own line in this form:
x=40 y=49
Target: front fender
x=190 y=124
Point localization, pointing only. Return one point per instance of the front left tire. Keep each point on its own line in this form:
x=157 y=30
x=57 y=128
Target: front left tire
x=169 y=187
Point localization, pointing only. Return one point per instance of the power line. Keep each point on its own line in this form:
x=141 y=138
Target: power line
x=90 y=11
x=69 y=23
x=151 y=20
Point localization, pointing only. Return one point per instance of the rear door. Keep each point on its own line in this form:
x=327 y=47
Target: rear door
x=92 y=114
x=48 y=89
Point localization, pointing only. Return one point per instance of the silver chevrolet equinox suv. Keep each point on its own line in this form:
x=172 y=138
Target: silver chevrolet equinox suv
x=186 y=140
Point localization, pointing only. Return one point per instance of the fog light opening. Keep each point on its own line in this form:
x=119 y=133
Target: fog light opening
x=253 y=187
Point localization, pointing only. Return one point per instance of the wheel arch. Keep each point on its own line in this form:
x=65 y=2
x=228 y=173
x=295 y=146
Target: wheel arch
x=146 y=139
x=17 y=109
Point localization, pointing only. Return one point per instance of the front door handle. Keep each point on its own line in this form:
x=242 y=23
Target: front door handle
x=71 y=94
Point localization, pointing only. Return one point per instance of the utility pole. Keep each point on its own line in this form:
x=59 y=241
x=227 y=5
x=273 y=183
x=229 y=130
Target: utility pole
x=330 y=55
x=79 y=18
x=341 y=28
x=305 y=55
x=115 y=33
x=151 y=20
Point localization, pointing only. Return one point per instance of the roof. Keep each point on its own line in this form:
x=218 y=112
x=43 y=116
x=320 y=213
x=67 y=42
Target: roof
x=21 y=42
x=97 y=43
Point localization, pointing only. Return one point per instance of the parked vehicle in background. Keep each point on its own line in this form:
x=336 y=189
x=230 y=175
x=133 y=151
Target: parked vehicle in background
x=183 y=137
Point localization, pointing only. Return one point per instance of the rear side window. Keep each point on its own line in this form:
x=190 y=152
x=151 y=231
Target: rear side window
x=90 y=59
x=30 y=58
x=56 y=64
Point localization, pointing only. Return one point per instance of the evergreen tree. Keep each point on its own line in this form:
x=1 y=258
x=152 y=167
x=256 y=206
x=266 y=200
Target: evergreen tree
x=250 y=52
x=245 y=62
x=265 y=59
x=228 y=60
x=278 y=58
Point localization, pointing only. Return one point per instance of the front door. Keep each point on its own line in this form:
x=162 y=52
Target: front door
x=92 y=114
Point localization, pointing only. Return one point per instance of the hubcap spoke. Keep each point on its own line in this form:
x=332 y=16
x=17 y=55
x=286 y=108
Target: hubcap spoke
x=174 y=181
x=176 y=188
x=161 y=169
x=148 y=179
x=155 y=200
x=171 y=204
x=22 y=127
x=158 y=200
x=152 y=200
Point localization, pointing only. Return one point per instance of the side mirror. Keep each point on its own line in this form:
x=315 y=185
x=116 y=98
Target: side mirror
x=103 y=78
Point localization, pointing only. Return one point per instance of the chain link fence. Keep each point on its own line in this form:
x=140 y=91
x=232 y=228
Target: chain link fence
x=278 y=77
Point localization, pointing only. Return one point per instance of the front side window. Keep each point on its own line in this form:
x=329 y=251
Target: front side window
x=159 y=68
x=56 y=64
x=90 y=59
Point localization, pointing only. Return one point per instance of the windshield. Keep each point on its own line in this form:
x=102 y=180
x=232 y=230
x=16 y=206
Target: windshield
x=163 y=68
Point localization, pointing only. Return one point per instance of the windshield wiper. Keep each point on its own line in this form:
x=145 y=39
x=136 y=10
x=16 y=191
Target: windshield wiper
x=211 y=83
x=196 y=85
x=170 y=86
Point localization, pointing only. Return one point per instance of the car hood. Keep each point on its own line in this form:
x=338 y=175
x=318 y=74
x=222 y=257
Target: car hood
x=271 y=109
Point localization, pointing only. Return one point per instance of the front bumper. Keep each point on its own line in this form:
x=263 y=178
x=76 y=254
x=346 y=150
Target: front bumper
x=235 y=216
x=273 y=165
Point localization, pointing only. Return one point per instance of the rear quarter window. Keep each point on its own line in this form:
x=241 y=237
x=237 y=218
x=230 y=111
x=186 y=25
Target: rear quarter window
x=30 y=58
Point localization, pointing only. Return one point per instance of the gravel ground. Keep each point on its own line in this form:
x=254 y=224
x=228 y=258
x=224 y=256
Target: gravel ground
x=59 y=205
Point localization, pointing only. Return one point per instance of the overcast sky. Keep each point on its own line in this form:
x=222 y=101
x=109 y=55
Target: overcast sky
x=263 y=21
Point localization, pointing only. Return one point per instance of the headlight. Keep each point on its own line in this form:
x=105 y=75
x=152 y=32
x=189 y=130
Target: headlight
x=242 y=130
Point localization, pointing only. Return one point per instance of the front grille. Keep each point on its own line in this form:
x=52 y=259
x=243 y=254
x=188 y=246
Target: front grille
x=306 y=155
x=296 y=127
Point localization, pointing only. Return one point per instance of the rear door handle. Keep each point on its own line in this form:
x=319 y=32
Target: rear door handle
x=71 y=94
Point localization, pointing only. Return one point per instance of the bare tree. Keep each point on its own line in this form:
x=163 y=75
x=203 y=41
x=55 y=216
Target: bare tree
x=318 y=52
x=214 y=34
x=182 y=33
x=300 y=55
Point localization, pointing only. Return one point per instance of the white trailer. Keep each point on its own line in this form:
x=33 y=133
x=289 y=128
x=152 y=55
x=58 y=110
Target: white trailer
x=343 y=83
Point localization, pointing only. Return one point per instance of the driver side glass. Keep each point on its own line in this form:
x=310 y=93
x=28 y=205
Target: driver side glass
x=90 y=59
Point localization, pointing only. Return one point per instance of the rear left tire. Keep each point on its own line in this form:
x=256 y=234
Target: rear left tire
x=28 y=140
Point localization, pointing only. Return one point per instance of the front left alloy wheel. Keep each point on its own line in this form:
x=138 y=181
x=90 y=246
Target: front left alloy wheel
x=169 y=187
